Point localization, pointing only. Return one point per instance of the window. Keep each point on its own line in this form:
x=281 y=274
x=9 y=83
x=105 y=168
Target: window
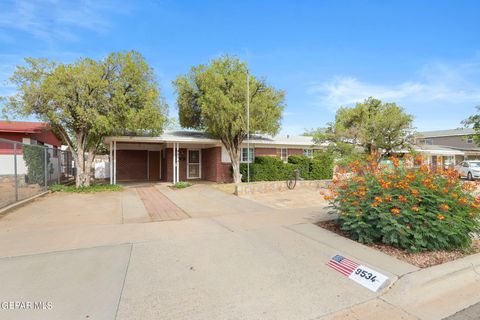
x=429 y=141
x=308 y=153
x=284 y=154
x=246 y=154
x=469 y=140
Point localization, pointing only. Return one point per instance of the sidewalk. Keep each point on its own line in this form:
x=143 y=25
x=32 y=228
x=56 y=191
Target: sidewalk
x=249 y=263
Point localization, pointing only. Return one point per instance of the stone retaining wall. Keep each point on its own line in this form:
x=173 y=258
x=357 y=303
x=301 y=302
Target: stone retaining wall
x=272 y=186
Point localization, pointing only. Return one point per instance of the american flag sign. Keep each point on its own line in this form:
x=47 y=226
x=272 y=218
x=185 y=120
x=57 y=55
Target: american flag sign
x=343 y=265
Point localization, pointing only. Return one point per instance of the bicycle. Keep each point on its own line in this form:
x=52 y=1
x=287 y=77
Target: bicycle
x=292 y=182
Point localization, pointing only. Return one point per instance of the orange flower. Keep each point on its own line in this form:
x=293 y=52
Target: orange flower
x=415 y=208
x=467 y=186
x=410 y=177
x=474 y=205
x=415 y=192
x=388 y=198
x=454 y=195
x=462 y=200
x=402 y=199
x=444 y=207
x=444 y=190
x=395 y=211
x=374 y=204
x=355 y=203
x=378 y=199
x=440 y=217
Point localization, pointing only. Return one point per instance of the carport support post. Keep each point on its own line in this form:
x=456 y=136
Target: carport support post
x=15 y=170
x=111 y=162
x=178 y=164
x=115 y=162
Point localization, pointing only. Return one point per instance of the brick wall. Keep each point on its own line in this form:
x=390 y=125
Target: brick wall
x=265 y=152
x=212 y=167
x=132 y=165
x=295 y=151
x=168 y=168
x=210 y=157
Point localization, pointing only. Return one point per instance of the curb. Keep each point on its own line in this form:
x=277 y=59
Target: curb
x=4 y=211
x=439 y=291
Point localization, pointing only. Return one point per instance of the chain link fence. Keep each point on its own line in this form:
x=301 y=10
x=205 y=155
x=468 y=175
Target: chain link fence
x=27 y=170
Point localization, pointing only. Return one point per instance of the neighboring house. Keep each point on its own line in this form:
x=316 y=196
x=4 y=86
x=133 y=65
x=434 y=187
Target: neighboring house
x=184 y=155
x=447 y=148
x=31 y=133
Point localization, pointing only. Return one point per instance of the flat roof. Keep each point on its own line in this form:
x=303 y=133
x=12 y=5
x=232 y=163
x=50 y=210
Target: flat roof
x=203 y=137
x=446 y=133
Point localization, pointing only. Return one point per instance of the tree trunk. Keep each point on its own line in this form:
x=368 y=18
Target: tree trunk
x=237 y=176
x=82 y=178
x=235 y=160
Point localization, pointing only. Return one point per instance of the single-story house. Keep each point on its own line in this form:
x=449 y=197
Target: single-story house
x=186 y=155
x=27 y=133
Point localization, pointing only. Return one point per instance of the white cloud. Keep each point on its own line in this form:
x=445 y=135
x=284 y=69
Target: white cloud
x=437 y=83
x=53 y=19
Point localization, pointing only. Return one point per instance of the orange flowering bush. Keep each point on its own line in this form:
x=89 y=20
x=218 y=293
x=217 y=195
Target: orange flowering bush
x=406 y=205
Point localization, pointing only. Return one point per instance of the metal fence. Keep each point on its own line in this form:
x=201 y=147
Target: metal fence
x=28 y=169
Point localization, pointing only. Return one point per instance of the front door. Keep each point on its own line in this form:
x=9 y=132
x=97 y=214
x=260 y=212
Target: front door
x=193 y=164
x=154 y=165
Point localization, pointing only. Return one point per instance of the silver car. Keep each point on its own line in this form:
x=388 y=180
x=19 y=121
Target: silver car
x=469 y=169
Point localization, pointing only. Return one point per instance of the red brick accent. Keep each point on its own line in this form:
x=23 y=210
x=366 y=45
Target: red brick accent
x=265 y=152
x=168 y=161
x=210 y=157
x=224 y=173
x=295 y=151
x=212 y=167
x=132 y=165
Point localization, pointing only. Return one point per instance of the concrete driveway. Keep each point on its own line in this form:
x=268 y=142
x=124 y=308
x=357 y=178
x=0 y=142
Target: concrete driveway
x=247 y=261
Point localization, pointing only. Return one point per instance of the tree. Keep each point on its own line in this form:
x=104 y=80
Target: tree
x=474 y=122
x=213 y=98
x=377 y=127
x=87 y=100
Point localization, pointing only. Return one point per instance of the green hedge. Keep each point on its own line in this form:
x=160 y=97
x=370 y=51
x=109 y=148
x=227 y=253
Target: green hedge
x=268 y=168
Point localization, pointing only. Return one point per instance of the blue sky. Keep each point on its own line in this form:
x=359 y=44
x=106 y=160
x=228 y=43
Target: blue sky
x=423 y=55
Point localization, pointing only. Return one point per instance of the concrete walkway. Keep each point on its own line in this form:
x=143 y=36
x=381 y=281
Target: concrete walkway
x=245 y=262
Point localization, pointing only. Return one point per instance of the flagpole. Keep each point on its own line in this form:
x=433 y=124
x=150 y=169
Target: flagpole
x=248 y=129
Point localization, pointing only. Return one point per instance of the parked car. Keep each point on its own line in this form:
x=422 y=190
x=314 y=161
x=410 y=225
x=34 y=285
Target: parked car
x=469 y=169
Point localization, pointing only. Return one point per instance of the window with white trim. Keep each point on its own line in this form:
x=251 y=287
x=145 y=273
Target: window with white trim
x=284 y=154
x=245 y=155
x=308 y=153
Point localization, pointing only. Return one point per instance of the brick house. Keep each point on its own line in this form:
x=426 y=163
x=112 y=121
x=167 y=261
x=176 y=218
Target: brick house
x=191 y=155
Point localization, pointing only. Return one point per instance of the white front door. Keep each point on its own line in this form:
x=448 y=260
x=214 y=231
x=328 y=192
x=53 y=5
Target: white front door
x=193 y=164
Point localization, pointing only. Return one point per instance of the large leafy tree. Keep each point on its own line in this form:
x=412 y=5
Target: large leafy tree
x=213 y=98
x=378 y=127
x=87 y=100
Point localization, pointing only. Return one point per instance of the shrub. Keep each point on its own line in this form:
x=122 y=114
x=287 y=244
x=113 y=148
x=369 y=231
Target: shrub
x=181 y=185
x=321 y=166
x=302 y=163
x=266 y=168
x=408 y=207
x=90 y=189
x=34 y=157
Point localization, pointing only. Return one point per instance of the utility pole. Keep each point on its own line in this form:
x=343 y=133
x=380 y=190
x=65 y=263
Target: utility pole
x=248 y=129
